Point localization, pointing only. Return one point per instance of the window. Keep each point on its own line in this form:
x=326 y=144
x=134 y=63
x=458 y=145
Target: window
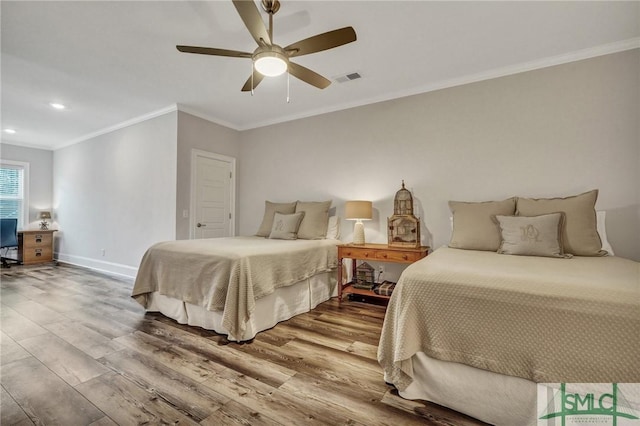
x=14 y=191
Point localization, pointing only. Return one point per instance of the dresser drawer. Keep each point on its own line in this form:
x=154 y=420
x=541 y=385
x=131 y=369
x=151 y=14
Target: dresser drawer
x=37 y=240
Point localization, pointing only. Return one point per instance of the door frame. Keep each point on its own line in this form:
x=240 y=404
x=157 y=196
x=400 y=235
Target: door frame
x=232 y=191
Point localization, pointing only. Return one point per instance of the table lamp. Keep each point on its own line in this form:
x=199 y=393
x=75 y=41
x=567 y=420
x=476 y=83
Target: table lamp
x=358 y=210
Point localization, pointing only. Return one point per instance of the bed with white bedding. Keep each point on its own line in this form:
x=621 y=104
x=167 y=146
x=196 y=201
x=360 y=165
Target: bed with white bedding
x=476 y=330
x=530 y=319
x=236 y=286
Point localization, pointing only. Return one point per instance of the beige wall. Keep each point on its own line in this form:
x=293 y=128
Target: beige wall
x=550 y=132
x=196 y=133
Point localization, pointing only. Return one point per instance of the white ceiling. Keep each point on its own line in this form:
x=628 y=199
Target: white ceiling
x=113 y=62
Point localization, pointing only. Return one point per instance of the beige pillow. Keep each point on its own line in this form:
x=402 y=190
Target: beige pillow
x=285 y=226
x=315 y=221
x=270 y=210
x=473 y=225
x=532 y=235
x=580 y=235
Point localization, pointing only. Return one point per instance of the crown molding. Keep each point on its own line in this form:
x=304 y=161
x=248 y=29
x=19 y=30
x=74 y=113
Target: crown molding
x=131 y=122
x=605 y=49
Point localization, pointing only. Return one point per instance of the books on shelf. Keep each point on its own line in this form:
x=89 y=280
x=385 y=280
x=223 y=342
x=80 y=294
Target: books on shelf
x=363 y=286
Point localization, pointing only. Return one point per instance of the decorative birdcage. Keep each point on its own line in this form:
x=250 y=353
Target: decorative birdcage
x=364 y=276
x=403 y=226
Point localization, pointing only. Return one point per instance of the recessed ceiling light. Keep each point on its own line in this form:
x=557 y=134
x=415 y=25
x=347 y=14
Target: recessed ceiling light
x=10 y=131
x=56 y=105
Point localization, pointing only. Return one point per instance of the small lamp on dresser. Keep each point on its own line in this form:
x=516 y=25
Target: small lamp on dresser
x=44 y=225
x=358 y=210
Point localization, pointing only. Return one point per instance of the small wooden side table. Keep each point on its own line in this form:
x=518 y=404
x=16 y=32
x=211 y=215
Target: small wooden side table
x=376 y=253
x=35 y=246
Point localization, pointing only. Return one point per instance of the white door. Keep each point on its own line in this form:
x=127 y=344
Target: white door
x=212 y=195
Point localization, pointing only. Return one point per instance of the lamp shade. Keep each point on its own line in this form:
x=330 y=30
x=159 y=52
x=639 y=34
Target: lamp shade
x=45 y=215
x=358 y=210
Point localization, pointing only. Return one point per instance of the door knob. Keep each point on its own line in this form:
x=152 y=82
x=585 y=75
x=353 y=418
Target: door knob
x=200 y=225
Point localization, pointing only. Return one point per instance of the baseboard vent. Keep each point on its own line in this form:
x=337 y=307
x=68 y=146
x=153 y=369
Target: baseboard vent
x=347 y=77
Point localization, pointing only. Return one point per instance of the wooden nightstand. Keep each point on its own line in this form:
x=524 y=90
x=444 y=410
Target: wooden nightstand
x=376 y=253
x=35 y=246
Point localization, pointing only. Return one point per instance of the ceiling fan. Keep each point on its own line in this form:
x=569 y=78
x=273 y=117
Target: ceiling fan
x=270 y=59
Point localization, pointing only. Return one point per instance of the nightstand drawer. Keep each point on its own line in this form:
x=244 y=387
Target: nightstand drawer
x=37 y=255
x=358 y=253
x=399 y=256
x=37 y=240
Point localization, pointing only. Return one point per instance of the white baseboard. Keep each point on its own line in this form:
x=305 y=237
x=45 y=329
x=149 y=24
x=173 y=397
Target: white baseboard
x=98 y=265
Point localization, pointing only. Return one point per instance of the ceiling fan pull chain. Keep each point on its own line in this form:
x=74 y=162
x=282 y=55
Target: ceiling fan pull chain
x=288 y=86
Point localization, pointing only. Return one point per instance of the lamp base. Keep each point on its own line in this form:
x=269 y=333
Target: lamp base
x=358 y=233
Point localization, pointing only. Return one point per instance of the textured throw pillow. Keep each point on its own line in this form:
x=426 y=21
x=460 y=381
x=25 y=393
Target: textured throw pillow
x=270 y=210
x=473 y=225
x=580 y=235
x=532 y=235
x=315 y=221
x=285 y=226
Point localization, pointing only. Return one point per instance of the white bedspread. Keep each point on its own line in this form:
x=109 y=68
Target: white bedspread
x=229 y=274
x=543 y=319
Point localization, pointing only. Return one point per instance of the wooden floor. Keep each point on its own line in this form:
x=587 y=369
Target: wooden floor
x=77 y=350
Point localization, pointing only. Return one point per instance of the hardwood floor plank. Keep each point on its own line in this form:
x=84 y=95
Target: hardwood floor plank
x=69 y=363
x=10 y=297
x=11 y=413
x=99 y=324
x=17 y=326
x=85 y=339
x=38 y=313
x=184 y=394
x=45 y=397
x=347 y=402
x=11 y=351
x=234 y=413
x=178 y=359
x=230 y=356
x=125 y=403
x=282 y=407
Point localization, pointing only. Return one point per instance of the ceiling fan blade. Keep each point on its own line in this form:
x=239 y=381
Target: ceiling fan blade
x=308 y=76
x=257 y=78
x=321 y=42
x=250 y=15
x=213 y=51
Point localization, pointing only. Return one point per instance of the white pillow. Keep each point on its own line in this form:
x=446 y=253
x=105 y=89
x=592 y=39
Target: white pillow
x=333 y=228
x=602 y=231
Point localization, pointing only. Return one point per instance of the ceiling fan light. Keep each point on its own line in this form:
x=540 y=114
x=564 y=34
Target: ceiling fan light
x=270 y=64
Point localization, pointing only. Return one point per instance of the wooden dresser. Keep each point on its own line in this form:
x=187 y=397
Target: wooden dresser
x=35 y=246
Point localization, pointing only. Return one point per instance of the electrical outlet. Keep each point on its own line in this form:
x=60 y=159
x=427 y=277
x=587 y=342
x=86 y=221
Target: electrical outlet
x=103 y=252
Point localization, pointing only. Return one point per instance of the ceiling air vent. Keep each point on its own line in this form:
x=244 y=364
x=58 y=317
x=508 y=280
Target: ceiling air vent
x=347 y=77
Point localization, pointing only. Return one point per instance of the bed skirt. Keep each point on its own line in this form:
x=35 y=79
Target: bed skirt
x=491 y=397
x=282 y=304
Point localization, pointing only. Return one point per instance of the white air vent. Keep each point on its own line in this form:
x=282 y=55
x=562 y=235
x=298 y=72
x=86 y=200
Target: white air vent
x=347 y=77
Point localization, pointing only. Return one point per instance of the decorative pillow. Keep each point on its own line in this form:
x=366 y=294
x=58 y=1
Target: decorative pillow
x=473 y=225
x=333 y=228
x=601 y=218
x=269 y=211
x=532 y=235
x=315 y=221
x=580 y=235
x=285 y=226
